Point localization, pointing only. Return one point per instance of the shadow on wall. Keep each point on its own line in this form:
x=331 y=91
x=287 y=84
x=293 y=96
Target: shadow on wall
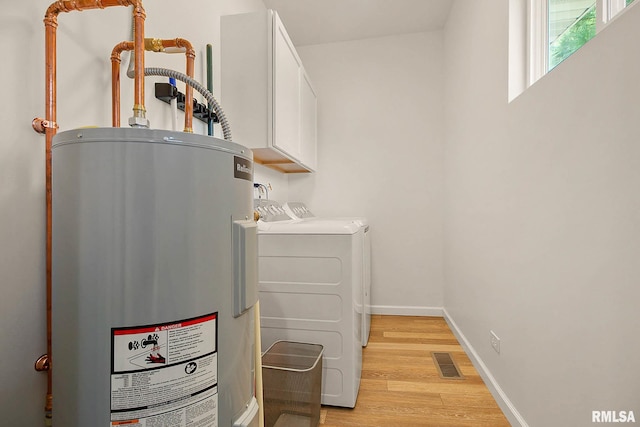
x=22 y=217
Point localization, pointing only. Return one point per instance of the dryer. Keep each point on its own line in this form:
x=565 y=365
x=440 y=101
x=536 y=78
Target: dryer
x=299 y=210
x=310 y=275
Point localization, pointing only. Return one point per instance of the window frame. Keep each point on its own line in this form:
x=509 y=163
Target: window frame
x=606 y=10
x=538 y=32
x=538 y=40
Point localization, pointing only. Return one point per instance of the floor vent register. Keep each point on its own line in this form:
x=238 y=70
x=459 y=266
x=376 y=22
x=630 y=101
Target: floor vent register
x=447 y=368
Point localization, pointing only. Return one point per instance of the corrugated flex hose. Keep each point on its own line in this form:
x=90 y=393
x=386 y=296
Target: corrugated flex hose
x=164 y=72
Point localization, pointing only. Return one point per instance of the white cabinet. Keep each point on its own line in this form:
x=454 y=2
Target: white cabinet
x=266 y=93
x=308 y=122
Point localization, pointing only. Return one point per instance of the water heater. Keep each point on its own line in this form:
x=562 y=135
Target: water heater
x=154 y=280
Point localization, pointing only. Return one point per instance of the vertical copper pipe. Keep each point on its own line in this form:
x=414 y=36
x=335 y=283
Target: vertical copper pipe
x=138 y=41
x=50 y=127
x=51 y=24
x=115 y=91
x=115 y=80
x=191 y=56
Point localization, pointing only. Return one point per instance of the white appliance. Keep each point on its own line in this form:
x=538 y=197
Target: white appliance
x=309 y=288
x=299 y=210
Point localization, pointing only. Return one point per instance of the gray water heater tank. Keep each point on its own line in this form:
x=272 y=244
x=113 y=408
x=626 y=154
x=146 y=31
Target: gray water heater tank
x=154 y=280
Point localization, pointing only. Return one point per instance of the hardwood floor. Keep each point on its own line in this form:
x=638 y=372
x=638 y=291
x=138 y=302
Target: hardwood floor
x=400 y=385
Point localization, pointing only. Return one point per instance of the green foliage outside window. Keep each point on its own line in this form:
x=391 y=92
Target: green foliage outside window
x=574 y=37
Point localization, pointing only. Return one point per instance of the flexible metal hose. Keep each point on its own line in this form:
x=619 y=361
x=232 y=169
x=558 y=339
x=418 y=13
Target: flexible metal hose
x=164 y=72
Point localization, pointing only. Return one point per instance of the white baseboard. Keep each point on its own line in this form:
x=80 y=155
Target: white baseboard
x=510 y=411
x=398 y=310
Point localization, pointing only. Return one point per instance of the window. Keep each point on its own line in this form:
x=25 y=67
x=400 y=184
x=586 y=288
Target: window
x=558 y=28
x=571 y=25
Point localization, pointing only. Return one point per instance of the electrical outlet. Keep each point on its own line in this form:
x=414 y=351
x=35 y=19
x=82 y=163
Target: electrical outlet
x=495 y=341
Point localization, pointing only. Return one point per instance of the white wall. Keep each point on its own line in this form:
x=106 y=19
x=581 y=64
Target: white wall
x=380 y=130
x=22 y=215
x=277 y=182
x=84 y=46
x=541 y=222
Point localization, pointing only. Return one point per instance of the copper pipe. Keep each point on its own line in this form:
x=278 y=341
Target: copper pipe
x=51 y=24
x=153 y=45
x=50 y=128
x=139 y=111
x=115 y=80
x=188 y=92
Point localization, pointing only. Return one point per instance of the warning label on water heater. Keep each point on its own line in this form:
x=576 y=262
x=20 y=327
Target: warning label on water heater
x=165 y=375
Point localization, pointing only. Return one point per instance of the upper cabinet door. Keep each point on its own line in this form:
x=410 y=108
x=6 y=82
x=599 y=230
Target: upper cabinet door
x=266 y=93
x=308 y=122
x=286 y=94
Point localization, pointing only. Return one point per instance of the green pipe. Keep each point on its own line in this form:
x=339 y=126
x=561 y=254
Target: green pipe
x=210 y=81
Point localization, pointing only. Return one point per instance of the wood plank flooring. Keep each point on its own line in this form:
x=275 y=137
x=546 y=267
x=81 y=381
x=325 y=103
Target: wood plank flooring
x=400 y=385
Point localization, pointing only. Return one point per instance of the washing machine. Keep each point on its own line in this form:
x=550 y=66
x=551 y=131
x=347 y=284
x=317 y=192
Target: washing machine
x=310 y=275
x=298 y=210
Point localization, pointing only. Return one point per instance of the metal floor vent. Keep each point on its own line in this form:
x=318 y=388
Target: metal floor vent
x=447 y=368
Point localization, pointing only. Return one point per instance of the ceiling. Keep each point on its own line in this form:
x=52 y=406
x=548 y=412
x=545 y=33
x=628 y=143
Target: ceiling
x=326 y=21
